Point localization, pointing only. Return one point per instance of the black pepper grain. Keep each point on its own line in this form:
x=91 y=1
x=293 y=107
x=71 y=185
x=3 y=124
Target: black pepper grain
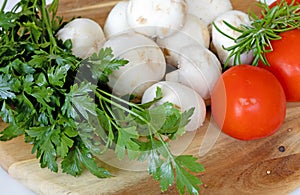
x=281 y=148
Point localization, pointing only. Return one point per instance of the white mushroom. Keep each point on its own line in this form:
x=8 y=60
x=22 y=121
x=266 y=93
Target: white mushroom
x=146 y=65
x=156 y=17
x=116 y=21
x=193 y=32
x=86 y=35
x=198 y=68
x=208 y=10
x=235 y=18
x=182 y=97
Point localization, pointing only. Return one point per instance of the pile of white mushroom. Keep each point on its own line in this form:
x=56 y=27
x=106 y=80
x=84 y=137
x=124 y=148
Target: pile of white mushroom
x=154 y=34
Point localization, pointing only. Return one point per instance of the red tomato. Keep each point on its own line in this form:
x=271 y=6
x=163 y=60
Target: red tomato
x=284 y=62
x=278 y=1
x=248 y=102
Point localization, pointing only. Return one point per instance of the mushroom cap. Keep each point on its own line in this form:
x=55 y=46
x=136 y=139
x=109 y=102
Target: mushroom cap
x=146 y=65
x=219 y=41
x=183 y=97
x=193 y=32
x=156 y=17
x=116 y=21
x=86 y=35
x=198 y=69
x=208 y=10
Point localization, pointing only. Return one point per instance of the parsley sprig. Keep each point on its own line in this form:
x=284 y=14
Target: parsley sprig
x=263 y=29
x=63 y=107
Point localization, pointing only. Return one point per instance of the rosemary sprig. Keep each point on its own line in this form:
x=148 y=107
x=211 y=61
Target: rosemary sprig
x=264 y=28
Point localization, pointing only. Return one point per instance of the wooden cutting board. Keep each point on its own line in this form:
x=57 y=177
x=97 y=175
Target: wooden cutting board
x=232 y=166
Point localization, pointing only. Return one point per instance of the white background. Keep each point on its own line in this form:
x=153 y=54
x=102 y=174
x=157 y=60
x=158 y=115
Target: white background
x=10 y=186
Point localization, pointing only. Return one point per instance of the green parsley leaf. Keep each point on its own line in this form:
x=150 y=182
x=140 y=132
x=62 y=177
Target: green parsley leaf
x=87 y=133
x=6 y=113
x=184 y=179
x=5 y=87
x=103 y=64
x=79 y=157
x=7 y=20
x=43 y=144
x=78 y=99
x=71 y=163
x=90 y=163
x=126 y=142
x=10 y=132
x=189 y=162
x=57 y=75
x=167 y=175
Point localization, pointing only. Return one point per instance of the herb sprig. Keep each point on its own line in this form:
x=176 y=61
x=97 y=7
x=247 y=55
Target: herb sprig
x=61 y=104
x=264 y=28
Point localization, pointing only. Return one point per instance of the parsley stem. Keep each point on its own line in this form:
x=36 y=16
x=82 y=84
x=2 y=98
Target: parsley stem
x=119 y=99
x=152 y=128
x=119 y=105
x=108 y=139
x=104 y=106
x=46 y=20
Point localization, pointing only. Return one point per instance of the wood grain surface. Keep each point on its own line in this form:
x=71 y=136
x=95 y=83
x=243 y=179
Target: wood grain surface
x=231 y=166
